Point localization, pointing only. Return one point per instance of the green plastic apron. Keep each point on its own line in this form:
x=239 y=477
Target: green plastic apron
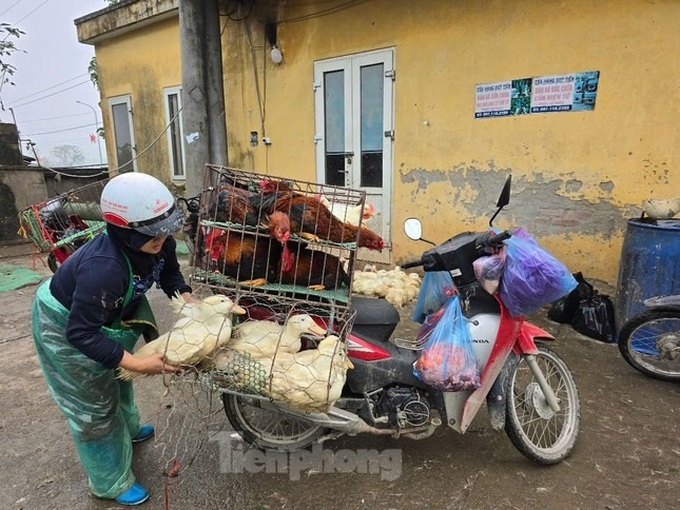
x=99 y=408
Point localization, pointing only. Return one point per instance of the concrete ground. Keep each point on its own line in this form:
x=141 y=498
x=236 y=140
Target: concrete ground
x=627 y=455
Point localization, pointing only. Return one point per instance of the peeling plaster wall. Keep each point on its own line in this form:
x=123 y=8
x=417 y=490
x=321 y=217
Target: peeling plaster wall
x=578 y=176
x=141 y=64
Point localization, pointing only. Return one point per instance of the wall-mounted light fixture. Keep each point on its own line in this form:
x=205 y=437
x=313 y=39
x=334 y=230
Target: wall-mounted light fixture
x=276 y=55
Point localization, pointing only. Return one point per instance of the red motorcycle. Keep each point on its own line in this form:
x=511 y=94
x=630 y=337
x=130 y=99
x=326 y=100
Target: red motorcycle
x=529 y=390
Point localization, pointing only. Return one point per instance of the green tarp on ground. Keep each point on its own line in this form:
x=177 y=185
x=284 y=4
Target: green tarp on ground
x=182 y=248
x=14 y=277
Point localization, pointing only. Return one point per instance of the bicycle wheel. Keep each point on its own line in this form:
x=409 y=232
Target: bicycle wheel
x=541 y=434
x=650 y=343
x=52 y=262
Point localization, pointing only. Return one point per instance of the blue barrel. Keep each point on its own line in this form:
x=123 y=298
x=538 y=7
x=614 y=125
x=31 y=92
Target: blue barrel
x=650 y=265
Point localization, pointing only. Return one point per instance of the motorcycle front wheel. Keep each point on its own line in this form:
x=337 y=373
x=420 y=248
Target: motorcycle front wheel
x=650 y=343
x=541 y=434
x=265 y=427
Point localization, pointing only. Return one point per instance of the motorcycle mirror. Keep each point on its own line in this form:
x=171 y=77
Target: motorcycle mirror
x=504 y=199
x=413 y=228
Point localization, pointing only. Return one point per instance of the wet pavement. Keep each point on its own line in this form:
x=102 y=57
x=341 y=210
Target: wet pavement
x=627 y=455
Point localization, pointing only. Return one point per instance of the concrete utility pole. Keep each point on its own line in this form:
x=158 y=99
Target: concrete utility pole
x=203 y=117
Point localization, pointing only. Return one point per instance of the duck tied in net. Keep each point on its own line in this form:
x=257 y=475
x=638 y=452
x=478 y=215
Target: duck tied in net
x=300 y=361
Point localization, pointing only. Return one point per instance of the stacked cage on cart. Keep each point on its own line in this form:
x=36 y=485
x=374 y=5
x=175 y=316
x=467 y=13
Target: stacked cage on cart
x=62 y=224
x=284 y=251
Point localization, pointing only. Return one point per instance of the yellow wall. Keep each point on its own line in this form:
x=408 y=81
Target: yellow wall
x=141 y=64
x=577 y=176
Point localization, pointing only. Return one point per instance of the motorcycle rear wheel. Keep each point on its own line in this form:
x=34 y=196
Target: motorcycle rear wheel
x=539 y=433
x=268 y=429
x=650 y=343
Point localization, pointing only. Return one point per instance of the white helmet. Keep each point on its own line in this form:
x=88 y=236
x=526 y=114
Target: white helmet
x=140 y=202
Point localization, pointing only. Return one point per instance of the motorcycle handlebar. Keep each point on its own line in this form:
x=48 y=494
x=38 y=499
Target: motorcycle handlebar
x=491 y=240
x=486 y=242
x=412 y=263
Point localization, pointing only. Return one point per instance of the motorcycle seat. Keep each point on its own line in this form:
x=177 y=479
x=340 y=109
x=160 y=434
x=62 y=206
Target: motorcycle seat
x=376 y=318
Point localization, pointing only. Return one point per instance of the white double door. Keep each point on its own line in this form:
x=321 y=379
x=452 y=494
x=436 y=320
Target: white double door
x=354 y=131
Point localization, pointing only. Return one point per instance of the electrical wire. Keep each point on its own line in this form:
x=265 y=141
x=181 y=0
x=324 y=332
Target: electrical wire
x=10 y=8
x=20 y=99
x=50 y=95
x=238 y=8
x=246 y=28
x=148 y=147
x=31 y=12
x=55 y=118
x=324 y=12
x=154 y=142
x=64 y=174
x=73 y=128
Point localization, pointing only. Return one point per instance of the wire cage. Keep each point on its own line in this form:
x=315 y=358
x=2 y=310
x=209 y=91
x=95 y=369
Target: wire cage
x=284 y=250
x=62 y=224
x=284 y=237
x=287 y=353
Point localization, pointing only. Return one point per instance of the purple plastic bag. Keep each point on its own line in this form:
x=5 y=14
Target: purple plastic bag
x=532 y=276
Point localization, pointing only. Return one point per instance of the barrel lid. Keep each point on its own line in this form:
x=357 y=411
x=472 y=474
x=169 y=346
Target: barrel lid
x=670 y=224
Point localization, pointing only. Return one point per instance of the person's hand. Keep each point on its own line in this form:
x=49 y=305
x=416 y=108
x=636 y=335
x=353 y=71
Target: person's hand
x=152 y=364
x=189 y=297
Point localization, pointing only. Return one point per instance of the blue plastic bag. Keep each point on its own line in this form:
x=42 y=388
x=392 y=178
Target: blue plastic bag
x=532 y=277
x=436 y=289
x=447 y=361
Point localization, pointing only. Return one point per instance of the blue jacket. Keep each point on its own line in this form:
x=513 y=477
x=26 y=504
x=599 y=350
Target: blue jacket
x=92 y=284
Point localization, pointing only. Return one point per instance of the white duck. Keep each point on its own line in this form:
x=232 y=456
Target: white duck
x=311 y=379
x=262 y=338
x=203 y=326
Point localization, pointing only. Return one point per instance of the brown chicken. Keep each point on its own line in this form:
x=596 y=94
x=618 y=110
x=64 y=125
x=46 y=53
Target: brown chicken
x=251 y=259
x=226 y=204
x=311 y=268
x=236 y=205
x=310 y=219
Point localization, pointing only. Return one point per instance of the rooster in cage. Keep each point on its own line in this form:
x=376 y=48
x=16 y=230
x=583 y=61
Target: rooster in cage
x=310 y=219
x=314 y=269
x=227 y=204
x=250 y=258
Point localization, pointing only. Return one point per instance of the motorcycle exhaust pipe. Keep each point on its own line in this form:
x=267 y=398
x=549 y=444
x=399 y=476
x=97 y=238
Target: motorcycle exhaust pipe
x=349 y=423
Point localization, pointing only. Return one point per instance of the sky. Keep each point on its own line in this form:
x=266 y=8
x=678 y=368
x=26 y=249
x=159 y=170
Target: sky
x=51 y=76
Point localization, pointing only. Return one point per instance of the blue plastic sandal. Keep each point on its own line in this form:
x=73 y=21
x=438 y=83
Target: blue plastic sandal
x=135 y=495
x=145 y=432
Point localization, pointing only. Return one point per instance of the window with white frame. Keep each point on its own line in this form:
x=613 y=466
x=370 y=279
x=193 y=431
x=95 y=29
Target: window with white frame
x=173 y=119
x=123 y=132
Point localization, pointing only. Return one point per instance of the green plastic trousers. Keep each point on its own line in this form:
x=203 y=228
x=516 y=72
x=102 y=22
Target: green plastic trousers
x=99 y=408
